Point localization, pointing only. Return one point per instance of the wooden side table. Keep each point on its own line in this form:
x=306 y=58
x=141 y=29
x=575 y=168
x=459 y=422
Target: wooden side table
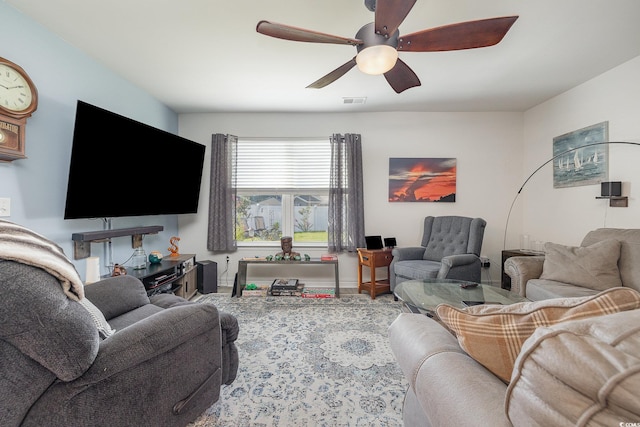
x=374 y=259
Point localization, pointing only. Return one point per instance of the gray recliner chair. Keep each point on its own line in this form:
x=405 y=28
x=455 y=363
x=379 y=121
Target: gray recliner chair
x=450 y=249
x=163 y=366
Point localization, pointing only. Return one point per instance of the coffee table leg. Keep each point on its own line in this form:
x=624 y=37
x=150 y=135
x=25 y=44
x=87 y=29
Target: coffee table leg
x=241 y=280
x=337 y=281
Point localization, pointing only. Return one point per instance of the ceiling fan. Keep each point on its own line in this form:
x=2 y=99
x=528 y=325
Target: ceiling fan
x=378 y=43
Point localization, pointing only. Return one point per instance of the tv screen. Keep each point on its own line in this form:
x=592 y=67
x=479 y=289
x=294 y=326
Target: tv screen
x=121 y=167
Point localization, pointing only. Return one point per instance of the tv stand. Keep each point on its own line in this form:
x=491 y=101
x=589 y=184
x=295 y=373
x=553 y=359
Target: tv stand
x=82 y=241
x=177 y=275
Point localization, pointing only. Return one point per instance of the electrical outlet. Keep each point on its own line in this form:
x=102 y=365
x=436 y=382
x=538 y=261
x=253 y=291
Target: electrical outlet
x=5 y=206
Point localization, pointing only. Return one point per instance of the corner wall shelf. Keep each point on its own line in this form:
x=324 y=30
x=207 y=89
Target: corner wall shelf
x=82 y=241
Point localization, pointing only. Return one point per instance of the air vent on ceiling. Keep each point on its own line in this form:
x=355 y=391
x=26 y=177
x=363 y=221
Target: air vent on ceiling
x=354 y=100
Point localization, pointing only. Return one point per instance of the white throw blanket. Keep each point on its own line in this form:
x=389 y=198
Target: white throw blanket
x=20 y=244
x=25 y=246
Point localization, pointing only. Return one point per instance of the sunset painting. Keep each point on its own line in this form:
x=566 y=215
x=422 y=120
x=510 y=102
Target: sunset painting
x=422 y=180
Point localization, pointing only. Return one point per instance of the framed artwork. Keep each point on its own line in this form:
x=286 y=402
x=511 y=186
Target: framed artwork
x=422 y=180
x=580 y=158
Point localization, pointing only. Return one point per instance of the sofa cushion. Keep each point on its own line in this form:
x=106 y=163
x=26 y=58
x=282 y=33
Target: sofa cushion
x=493 y=334
x=539 y=289
x=593 y=267
x=629 y=251
x=449 y=235
x=417 y=269
x=547 y=390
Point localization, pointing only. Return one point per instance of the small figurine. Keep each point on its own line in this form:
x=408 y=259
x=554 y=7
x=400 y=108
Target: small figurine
x=174 y=248
x=307 y=257
x=286 y=243
x=118 y=270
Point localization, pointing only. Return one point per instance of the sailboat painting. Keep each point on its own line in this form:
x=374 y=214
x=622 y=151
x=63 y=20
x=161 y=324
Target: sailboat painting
x=581 y=157
x=422 y=180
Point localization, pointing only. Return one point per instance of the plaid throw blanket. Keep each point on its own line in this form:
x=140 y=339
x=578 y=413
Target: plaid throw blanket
x=28 y=247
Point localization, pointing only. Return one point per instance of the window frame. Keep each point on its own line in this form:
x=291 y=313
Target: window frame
x=287 y=195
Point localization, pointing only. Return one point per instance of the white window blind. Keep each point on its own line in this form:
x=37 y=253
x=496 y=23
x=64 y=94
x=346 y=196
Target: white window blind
x=296 y=163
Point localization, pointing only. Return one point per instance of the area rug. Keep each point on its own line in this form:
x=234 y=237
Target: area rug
x=311 y=362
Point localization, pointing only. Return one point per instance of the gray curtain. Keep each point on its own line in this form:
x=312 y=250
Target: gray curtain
x=346 y=206
x=222 y=194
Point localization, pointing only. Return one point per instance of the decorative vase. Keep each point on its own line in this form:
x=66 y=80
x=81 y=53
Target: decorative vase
x=155 y=257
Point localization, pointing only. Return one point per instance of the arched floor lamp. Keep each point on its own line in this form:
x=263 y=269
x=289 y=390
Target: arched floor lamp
x=506 y=228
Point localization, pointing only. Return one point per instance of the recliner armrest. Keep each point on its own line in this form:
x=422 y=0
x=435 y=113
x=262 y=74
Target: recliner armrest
x=117 y=295
x=450 y=263
x=521 y=269
x=150 y=337
x=458 y=260
x=401 y=254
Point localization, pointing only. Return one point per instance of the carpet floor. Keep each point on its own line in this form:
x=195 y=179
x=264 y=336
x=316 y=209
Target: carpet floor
x=311 y=362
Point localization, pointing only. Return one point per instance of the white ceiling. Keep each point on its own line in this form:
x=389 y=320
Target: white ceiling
x=205 y=55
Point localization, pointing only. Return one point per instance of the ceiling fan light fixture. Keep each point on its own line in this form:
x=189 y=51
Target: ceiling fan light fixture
x=377 y=60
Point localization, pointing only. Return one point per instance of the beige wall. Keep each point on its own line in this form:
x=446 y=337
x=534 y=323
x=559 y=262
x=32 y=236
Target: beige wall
x=564 y=215
x=487 y=147
x=496 y=152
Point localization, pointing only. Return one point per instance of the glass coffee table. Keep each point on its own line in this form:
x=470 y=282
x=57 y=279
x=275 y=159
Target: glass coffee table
x=423 y=296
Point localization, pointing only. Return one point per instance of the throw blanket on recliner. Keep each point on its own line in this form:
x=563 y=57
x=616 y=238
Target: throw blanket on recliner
x=22 y=245
x=25 y=246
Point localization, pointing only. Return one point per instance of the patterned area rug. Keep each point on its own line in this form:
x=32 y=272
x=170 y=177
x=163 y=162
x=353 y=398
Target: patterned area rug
x=311 y=362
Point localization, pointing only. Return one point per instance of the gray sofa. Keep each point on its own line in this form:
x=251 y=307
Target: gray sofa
x=450 y=249
x=163 y=366
x=548 y=386
x=528 y=280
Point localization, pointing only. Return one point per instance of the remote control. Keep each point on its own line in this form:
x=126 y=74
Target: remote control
x=468 y=285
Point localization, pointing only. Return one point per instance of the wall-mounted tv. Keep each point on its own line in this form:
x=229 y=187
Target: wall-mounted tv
x=120 y=167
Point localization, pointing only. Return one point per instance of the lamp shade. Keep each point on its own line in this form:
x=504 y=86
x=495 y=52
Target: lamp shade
x=377 y=59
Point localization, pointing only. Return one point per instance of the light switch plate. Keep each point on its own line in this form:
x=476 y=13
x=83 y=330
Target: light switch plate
x=5 y=206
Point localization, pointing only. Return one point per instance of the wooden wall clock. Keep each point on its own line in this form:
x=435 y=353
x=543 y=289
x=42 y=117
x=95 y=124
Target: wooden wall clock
x=18 y=100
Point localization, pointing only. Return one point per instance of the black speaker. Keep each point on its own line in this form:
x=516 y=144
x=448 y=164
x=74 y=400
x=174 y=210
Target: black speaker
x=207 y=276
x=611 y=189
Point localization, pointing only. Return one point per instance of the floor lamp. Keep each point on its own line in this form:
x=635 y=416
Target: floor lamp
x=504 y=241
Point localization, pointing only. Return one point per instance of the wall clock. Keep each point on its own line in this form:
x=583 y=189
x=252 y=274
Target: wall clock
x=18 y=100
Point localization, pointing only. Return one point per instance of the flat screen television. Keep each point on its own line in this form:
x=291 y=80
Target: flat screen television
x=120 y=167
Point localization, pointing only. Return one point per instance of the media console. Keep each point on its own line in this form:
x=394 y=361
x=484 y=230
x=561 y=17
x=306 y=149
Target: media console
x=178 y=275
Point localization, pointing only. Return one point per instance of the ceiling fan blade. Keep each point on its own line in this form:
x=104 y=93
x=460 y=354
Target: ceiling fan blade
x=334 y=75
x=390 y=14
x=401 y=77
x=464 y=35
x=288 y=32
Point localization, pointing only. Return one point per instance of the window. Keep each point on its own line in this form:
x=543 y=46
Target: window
x=282 y=190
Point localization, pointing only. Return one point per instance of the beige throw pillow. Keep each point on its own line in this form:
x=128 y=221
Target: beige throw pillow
x=594 y=267
x=585 y=372
x=493 y=334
